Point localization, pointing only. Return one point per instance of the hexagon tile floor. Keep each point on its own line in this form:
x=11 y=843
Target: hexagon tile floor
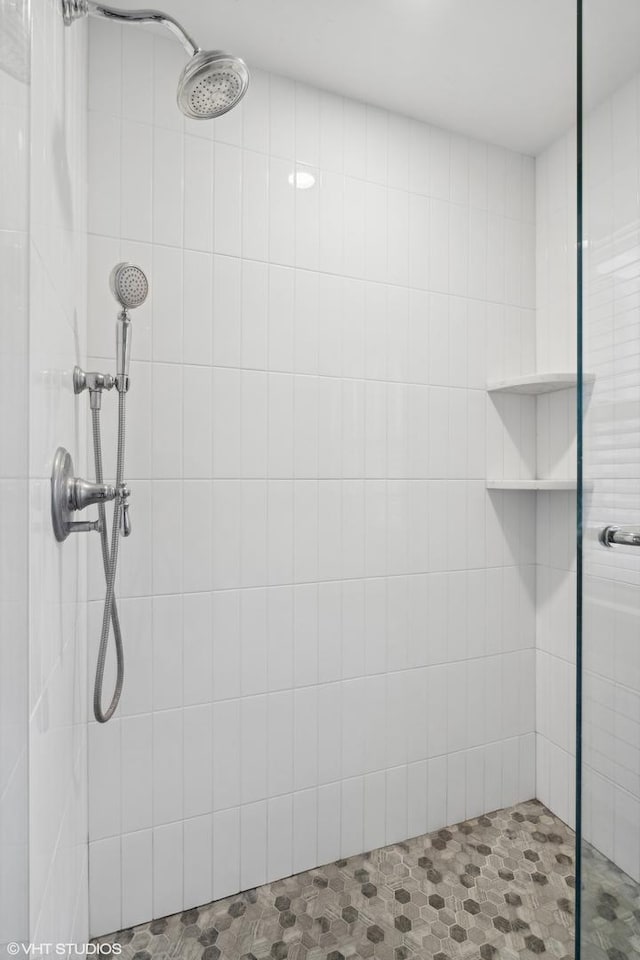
x=610 y=910
x=499 y=886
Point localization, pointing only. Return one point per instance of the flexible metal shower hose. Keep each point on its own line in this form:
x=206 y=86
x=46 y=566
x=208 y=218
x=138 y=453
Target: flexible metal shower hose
x=110 y=564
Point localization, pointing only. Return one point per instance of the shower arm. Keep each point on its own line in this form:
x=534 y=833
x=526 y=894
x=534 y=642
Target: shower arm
x=75 y=9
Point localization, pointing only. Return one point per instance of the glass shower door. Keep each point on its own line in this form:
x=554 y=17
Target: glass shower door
x=609 y=644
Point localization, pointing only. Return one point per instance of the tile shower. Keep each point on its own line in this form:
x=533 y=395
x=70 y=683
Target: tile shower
x=331 y=351
x=348 y=720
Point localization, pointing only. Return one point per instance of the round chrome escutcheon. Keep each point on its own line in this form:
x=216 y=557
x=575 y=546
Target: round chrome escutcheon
x=62 y=475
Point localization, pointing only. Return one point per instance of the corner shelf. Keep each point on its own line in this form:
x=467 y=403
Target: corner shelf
x=532 y=485
x=534 y=384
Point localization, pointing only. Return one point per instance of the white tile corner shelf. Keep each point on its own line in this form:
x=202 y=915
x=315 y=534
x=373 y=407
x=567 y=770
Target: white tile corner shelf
x=537 y=383
x=532 y=484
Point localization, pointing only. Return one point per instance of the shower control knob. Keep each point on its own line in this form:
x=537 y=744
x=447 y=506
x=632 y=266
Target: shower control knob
x=84 y=493
x=70 y=494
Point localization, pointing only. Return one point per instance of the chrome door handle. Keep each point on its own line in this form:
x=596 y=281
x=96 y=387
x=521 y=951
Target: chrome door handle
x=624 y=538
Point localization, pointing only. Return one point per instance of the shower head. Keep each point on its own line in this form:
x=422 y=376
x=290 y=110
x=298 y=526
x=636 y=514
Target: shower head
x=211 y=84
x=129 y=285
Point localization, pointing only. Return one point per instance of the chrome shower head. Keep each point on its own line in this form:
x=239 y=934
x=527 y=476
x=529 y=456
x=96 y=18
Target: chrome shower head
x=129 y=285
x=211 y=84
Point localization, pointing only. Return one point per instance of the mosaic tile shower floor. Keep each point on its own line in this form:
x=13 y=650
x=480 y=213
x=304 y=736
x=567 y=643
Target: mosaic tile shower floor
x=610 y=910
x=498 y=887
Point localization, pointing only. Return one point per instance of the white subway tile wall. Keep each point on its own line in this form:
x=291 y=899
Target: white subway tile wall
x=329 y=622
x=57 y=333
x=14 y=483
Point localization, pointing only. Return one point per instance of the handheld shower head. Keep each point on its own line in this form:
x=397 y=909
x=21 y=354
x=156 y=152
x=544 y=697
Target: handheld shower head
x=129 y=285
x=211 y=84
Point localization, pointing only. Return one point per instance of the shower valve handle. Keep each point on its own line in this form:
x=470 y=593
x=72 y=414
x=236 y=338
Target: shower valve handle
x=126 y=521
x=84 y=493
x=70 y=494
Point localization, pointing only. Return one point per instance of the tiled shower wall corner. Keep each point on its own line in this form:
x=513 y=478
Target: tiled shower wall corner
x=329 y=622
x=57 y=578
x=14 y=344
x=556 y=456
